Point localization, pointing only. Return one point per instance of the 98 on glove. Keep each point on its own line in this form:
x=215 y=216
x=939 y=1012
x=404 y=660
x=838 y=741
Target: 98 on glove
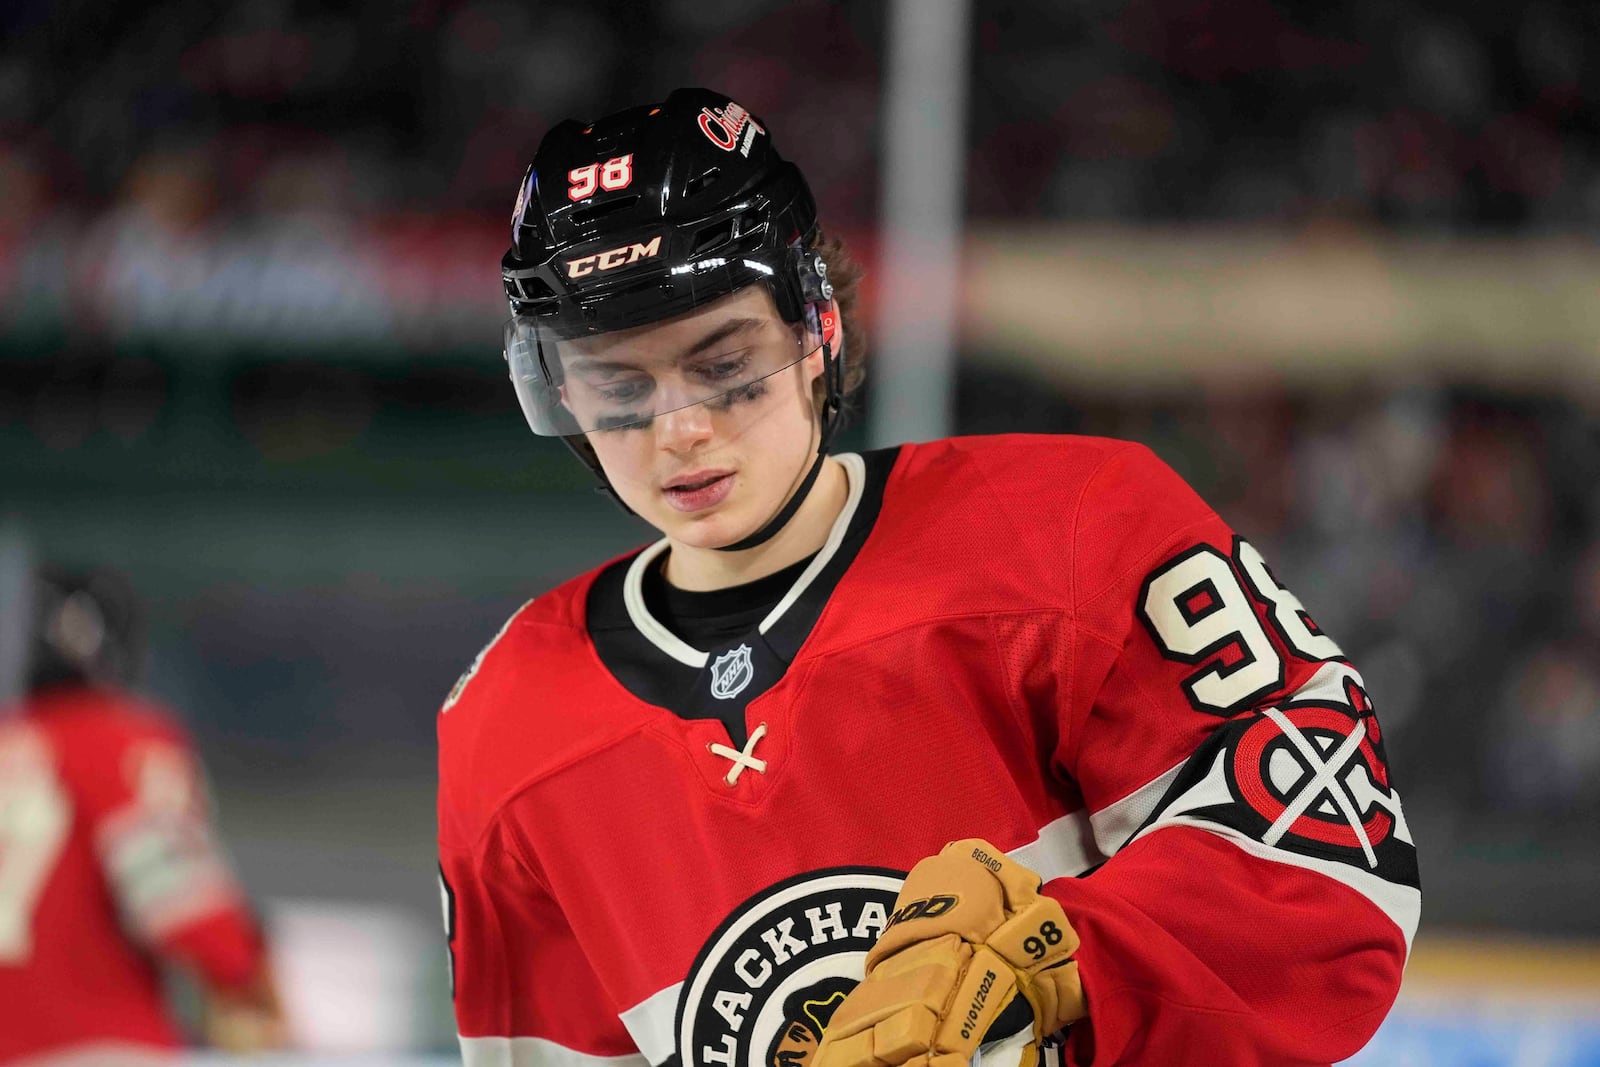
x=969 y=936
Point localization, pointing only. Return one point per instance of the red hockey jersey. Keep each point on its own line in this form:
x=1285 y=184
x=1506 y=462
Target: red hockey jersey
x=652 y=852
x=106 y=863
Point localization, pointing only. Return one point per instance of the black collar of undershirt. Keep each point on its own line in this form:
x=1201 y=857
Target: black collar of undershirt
x=747 y=661
x=667 y=602
x=705 y=619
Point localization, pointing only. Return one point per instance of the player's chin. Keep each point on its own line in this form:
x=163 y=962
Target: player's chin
x=714 y=528
x=705 y=532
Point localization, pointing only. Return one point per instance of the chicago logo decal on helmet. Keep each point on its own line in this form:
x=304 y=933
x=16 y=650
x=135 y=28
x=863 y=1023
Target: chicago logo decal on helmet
x=771 y=976
x=731 y=672
x=723 y=125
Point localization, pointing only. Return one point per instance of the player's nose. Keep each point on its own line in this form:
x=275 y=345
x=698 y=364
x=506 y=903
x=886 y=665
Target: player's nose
x=683 y=428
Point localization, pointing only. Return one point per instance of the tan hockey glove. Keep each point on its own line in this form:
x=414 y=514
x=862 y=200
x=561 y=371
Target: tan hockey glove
x=970 y=932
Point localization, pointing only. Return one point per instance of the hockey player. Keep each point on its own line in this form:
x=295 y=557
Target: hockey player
x=680 y=794
x=108 y=864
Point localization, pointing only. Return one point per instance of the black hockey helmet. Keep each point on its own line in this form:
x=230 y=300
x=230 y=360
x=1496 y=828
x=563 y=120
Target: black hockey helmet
x=644 y=215
x=86 y=628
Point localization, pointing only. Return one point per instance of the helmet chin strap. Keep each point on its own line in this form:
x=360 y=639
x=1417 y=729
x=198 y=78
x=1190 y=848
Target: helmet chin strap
x=785 y=513
x=830 y=423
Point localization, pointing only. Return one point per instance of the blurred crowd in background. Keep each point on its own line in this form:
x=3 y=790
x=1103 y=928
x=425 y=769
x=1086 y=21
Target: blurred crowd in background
x=249 y=317
x=1416 y=113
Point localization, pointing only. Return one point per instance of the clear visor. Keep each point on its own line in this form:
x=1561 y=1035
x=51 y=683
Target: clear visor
x=723 y=355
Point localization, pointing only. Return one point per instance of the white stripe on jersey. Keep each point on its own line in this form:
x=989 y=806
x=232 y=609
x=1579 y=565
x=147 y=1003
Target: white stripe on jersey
x=1070 y=845
x=1115 y=823
x=535 y=1052
x=1064 y=848
x=649 y=1023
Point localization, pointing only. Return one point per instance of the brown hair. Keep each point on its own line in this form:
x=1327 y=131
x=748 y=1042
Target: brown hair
x=845 y=274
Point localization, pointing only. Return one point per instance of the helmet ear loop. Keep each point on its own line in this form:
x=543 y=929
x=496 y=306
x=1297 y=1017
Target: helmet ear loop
x=820 y=316
x=818 y=291
x=832 y=371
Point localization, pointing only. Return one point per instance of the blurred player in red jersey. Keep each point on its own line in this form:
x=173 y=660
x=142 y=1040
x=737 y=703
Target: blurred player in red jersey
x=109 y=867
x=680 y=795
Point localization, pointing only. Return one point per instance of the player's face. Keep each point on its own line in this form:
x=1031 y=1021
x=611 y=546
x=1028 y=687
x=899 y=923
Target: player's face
x=706 y=472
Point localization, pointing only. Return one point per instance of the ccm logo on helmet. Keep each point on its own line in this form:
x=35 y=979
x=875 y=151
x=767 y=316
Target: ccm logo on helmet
x=612 y=258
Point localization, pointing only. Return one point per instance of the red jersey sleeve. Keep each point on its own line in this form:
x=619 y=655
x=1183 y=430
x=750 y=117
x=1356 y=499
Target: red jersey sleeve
x=1261 y=889
x=145 y=798
x=524 y=991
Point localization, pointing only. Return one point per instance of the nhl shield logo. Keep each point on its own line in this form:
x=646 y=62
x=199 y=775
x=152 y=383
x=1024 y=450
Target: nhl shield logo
x=731 y=672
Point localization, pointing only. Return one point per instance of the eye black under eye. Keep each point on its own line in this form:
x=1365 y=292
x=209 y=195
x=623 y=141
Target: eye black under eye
x=739 y=394
x=618 y=423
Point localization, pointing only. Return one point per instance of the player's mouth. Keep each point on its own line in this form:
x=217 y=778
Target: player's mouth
x=698 y=490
